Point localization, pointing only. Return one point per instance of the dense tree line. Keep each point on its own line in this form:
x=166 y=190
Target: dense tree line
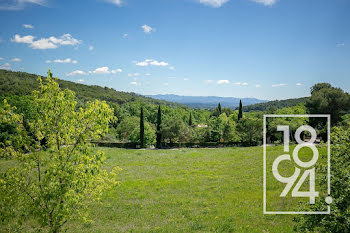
x=146 y=122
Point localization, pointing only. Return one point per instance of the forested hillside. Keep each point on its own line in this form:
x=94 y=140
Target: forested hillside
x=275 y=104
x=22 y=83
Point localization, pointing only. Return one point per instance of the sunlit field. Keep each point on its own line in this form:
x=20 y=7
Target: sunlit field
x=186 y=190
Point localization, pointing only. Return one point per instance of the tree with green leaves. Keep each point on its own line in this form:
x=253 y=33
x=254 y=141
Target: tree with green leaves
x=190 y=123
x=142 y=129
x=219 y=109
x=326 y=99
x=338 y=220
x=159 y=128
x=50 y=188
x=250 y=130
x=240 y=110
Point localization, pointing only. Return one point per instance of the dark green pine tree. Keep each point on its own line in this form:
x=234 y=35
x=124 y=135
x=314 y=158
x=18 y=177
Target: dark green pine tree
x=142 y=129
x=159 y=133
x=240 y=110
x=219 y=109
x=190 y=120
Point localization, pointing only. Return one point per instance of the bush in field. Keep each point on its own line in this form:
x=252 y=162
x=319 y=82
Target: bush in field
x=47 y=189
x=339 y=218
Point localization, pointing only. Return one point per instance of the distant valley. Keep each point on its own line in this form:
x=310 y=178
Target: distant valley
x=207 y=102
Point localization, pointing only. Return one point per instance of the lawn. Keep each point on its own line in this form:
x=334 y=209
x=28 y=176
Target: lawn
x=186 y=190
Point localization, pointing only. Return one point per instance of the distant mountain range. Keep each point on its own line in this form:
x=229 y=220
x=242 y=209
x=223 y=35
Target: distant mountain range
x=207 y=102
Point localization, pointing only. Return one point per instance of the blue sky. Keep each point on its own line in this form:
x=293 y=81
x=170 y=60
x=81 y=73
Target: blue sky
x=267 y=49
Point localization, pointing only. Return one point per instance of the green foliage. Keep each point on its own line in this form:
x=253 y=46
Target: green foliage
x=159 y=128
x=294 y=122
x=319 y=86
x=275 y=104
x=250 y=128
x=175 y=130
x=240 y=110
x=47 y=190
x=21 y=83
x=129 y=131
x=338 y=220
x=142 y=129
x=328 y=100
x=190 y=123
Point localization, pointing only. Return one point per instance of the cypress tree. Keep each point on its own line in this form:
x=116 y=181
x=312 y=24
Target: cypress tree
x=159 y=133
x=219 y=109
x=142 y=129
x=190 y=120
x=240 y=111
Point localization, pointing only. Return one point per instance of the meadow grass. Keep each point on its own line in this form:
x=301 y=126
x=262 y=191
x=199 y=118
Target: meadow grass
x=186 y=190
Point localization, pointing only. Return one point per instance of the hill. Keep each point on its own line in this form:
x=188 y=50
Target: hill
x=275 y=104
x=22 y=83
x=207 y=102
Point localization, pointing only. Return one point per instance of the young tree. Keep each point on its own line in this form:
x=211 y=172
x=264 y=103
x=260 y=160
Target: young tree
x=240 y=110
x=53 y=187
x=142 y=129
x=159 y=128
x=190 y=123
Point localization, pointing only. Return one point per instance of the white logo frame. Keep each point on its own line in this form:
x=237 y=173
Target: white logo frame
x=328 y=116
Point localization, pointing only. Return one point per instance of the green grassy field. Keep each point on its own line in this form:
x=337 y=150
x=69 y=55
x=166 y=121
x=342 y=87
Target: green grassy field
x=186 y=190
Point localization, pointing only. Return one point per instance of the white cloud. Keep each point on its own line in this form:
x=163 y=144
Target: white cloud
x=166 y=84
x=279 y=85
x=80 y=81
x=43 y=44
x=1 y=58
x=76 y=72
x=299 y=84
x=151 y=62
x=25 y=39
x=46 y=43
x=171 y=68
x=208 y=81
x=147 y=74
x=148 y=29
x=142 y=63
x=116 y=2
x=222 y=82
x=241 y=84
x=16 y=59
x=213 y=3
x=67 y=60
x=5 y=66
x=265 y=2
x=19 y=4
x=91 y=47
x=135 y=83
x=29 y=26
x=186 y=79
x=116 y=71
x=125 y=35
x=105 y=70
x=257 y=85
